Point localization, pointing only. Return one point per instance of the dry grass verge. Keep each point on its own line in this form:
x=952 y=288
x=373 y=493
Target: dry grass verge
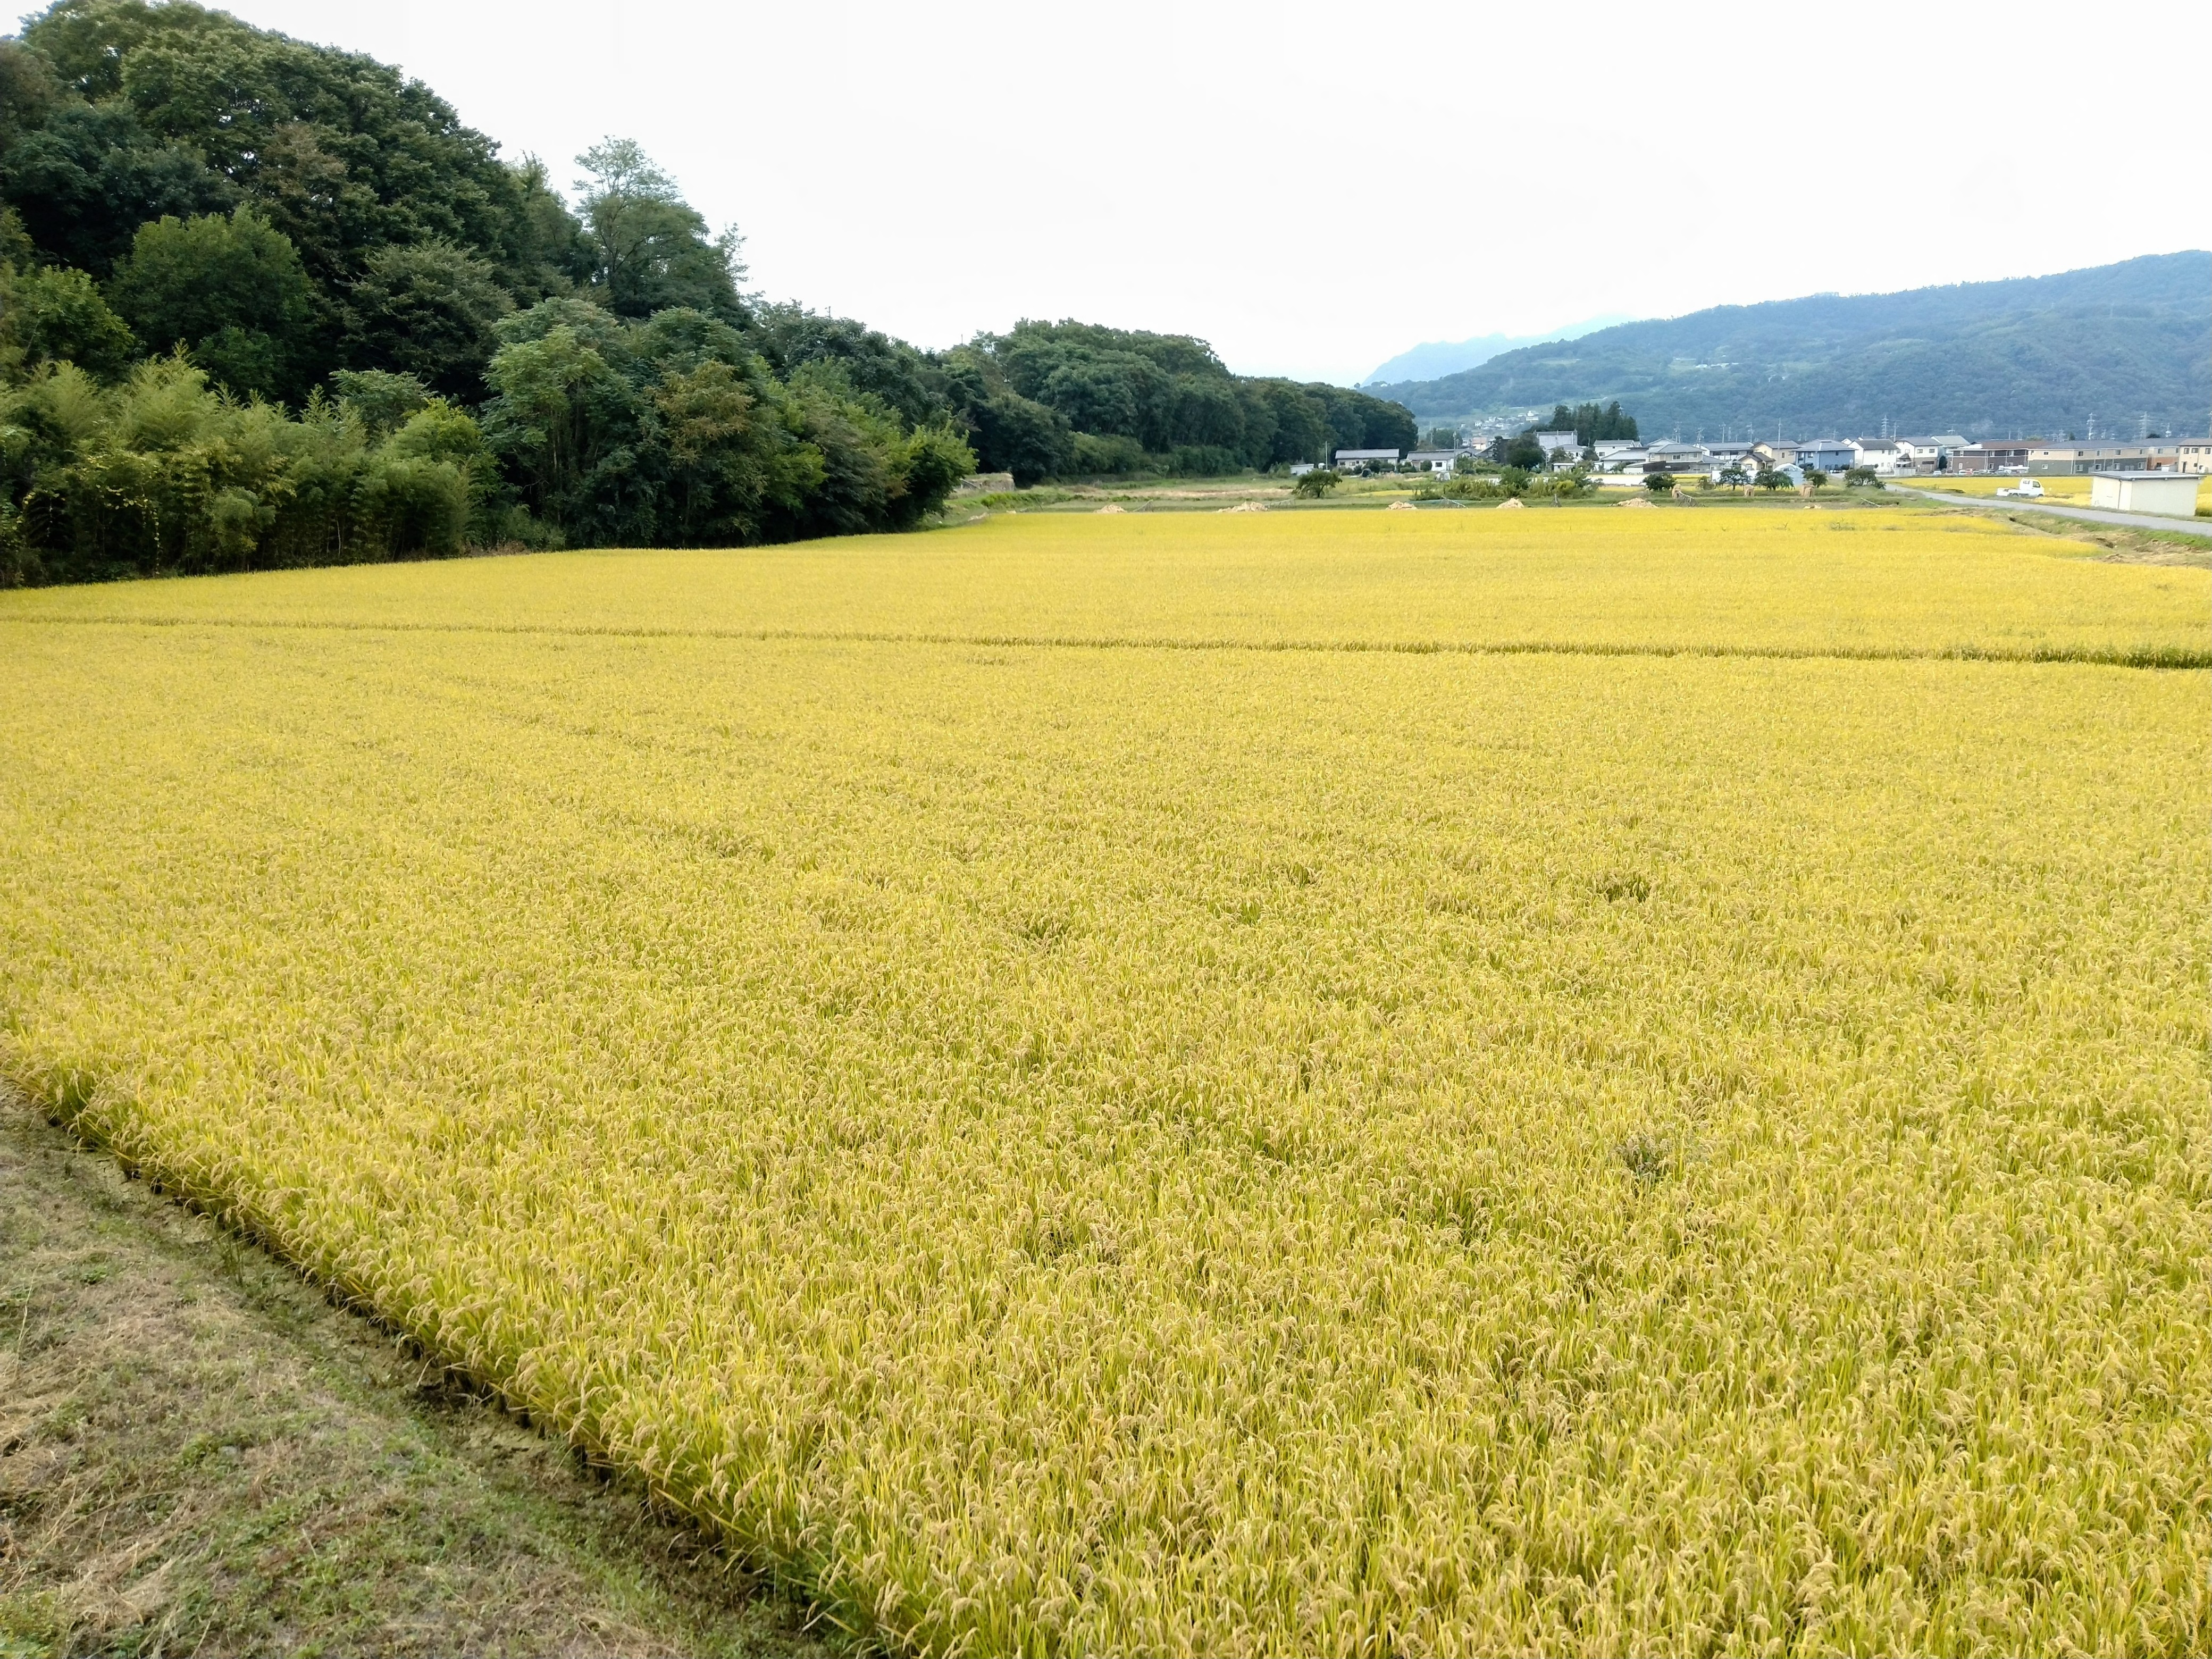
x=198 y=1454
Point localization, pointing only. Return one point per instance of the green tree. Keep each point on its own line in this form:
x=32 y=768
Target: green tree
x=726 y=453
x=934 y=460
x=1771 y=480
x=1172 y=395
x=88 y=176
x=428 y=310
x=1317 y=483
x=1659 y=483
x=1815 y=478
x=230 y=288
x=1592 y=424
x=57 y=315
x=650 y=248
x=1027 y=439
x=790 y=337
x=547 y=253
x=569 y=427
x=1095 y=457
x=1010 y=433
x=1109 y=397
x=341 y=153
x=1300 y=429
x=674 y=430
x=381 y=400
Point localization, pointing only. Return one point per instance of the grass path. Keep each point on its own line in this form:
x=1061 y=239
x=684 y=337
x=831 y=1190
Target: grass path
x=198 y=1453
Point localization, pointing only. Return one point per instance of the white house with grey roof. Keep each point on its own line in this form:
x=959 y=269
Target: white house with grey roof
x=1887 y=456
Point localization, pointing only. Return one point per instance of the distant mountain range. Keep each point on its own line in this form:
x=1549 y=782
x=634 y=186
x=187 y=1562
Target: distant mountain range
x=1435 y=358
x=2034 y=355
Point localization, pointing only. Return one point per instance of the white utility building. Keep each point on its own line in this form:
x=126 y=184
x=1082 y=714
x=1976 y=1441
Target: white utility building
x=2171 y=493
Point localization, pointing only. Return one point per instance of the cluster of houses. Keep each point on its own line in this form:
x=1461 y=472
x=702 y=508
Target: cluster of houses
x=1884 y=457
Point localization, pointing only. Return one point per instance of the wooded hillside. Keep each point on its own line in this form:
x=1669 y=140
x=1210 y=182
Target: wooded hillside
x=264 y=302
x=2034 y=355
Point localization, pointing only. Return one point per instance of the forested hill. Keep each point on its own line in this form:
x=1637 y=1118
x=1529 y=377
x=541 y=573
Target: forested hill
x=264 y=302
x=2034 y=355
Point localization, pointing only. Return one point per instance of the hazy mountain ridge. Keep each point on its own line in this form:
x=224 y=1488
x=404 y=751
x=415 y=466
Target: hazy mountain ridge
x=2033 y=354
x=1433 y=359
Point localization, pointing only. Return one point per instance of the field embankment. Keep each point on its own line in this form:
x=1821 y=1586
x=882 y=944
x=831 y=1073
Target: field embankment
x=1065 y=1147
x=199 y=1453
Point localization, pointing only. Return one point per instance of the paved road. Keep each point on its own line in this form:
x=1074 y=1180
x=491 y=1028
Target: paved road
x=2093 y=514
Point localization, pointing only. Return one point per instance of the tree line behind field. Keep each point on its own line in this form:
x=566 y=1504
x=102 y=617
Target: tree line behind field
x=263 y=302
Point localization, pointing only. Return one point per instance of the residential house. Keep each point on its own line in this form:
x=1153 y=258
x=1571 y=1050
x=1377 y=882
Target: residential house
x=1991 y=455
x=2193 y=455
x=1674 y=458
x=1887 y=457
x=1828 y=454
x=2102 y=456
x=1364 y=460
x=1773 y=453
x=1552 y=442
x=1930 y=454
x=1721 y=457
x=1435 y=460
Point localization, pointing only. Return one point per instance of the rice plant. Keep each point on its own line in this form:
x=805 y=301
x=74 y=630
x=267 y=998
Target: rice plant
x=1117 y=1146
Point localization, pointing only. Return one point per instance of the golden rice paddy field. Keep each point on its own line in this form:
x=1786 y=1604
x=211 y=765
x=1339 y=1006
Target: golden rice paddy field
x=1889 y=582
x=1072 y=1147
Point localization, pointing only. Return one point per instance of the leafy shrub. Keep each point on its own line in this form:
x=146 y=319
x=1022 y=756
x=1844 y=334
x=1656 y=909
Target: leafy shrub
x=1093 y=456
x=1203 y=461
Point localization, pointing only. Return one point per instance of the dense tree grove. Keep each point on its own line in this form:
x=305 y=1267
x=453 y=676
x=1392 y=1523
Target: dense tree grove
x=1169 y=395
x=1591 y=424
x=264 y=302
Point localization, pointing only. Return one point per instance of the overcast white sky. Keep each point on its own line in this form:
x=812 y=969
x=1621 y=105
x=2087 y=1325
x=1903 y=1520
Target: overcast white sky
x=1314 y=189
